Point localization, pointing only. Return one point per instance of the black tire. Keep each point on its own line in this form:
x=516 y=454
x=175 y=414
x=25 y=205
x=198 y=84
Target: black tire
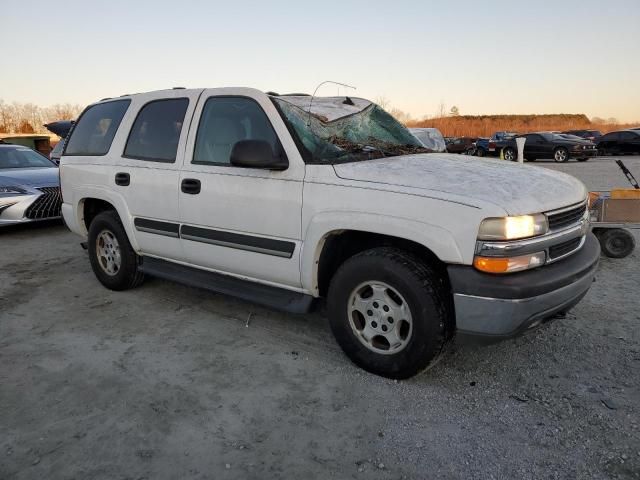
x=557 y=152
x=510 y=152
x=616 y=242
x=602 y=152
x=422 y=289
x=128 y=274
x=480 y=152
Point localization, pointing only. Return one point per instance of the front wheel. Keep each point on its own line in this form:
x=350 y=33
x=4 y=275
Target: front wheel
x=389 y=312
x=561 y=155
x=113 y=260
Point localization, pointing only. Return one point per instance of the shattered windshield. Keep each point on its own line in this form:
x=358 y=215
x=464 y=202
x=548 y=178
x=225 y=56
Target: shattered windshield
x=360 y=131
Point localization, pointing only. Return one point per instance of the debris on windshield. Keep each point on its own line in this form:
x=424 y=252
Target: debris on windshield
x=346 y=129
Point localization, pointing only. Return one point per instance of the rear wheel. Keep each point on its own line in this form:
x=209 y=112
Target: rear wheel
x=509 y=154
x=388 y=310
x=480 y=152
x=113 y=260
x=561 y=155
x=616 y=242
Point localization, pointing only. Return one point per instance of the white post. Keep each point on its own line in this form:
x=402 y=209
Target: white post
x=520 y=143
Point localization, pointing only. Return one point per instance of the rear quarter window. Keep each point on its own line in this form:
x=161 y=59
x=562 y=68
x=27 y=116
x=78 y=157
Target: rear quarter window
x=94 y=131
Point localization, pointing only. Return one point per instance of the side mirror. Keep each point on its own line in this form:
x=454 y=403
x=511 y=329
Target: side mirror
x=256 y=154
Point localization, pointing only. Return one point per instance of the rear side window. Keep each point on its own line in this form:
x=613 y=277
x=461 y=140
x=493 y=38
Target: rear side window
x=94 y=132
x=156 y=131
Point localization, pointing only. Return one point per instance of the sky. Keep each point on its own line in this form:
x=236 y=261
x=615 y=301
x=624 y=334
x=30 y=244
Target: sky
x=485 y=57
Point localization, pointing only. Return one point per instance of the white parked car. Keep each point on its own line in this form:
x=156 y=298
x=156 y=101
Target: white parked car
x=431 y=138
x=284 y=200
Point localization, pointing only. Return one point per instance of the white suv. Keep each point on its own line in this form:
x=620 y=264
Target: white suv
x=286 y=199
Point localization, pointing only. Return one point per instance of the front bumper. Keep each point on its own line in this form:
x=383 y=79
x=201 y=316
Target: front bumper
x=584 y=153
x=32 y=207
x=494 y=307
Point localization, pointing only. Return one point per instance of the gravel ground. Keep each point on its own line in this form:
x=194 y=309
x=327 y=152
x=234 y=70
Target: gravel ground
x=171 y=382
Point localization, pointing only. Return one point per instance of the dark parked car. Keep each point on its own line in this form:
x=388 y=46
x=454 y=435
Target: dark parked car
x=624 y=142
x=459 y=144
x=592 y=135
x=559 y=147
x=492 y=146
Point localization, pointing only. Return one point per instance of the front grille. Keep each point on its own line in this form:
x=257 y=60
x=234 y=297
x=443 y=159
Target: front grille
x=566 y=218
x=47 y=205
x=563 y=248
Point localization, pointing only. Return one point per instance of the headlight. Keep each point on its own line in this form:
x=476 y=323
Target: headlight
x=513 y=228
x=12 y=190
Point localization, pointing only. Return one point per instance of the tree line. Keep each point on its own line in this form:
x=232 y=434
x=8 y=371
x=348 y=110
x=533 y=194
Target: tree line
x=29 y=118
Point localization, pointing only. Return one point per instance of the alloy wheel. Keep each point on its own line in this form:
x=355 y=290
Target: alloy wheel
x=380 y=317
x=108 y=252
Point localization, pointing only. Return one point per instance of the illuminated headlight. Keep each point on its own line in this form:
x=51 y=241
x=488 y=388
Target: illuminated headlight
x=510 y=264
x=4 y=190
x=513 y=228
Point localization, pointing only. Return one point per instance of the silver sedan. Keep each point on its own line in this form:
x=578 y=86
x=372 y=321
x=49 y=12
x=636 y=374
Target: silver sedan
x=29 y=186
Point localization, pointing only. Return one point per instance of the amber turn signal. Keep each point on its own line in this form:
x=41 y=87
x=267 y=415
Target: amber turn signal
x=510 y=264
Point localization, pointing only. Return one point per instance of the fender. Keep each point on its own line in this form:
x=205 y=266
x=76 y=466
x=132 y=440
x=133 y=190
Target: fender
x=440 y=241
x=107 y=195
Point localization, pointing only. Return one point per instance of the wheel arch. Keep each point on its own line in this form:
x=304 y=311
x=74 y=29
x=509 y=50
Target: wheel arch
x=93 y=203
x=339 y=245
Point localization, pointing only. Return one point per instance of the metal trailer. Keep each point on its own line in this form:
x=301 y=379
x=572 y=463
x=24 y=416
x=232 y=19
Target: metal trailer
x=613 y=218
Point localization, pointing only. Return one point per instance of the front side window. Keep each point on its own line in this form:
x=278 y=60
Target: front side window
x=226 y=121
x=97 y=126
x=611 y=137
x=22 y=158
x=156 y=132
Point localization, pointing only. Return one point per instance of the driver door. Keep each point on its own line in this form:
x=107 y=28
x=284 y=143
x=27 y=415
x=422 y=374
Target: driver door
x=239 y=220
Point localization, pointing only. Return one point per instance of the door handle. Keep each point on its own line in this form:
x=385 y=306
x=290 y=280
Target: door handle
x=190 y=186
x=123 y=179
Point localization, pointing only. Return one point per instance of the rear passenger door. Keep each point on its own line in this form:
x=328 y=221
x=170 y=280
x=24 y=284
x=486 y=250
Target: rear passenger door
x=239 y=220
x=146 y=171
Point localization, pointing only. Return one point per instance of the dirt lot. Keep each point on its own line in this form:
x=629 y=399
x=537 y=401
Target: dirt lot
x=168 y=382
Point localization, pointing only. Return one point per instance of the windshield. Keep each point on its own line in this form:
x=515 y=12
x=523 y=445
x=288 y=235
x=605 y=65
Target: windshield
x=569 y=136
x=22 y=158
x=367 y=134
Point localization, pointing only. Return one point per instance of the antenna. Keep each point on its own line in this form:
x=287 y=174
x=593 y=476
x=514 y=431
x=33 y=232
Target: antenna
x=314 y=94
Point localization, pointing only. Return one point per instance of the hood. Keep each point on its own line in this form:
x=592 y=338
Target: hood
x=32 y=177
x=518 y=189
